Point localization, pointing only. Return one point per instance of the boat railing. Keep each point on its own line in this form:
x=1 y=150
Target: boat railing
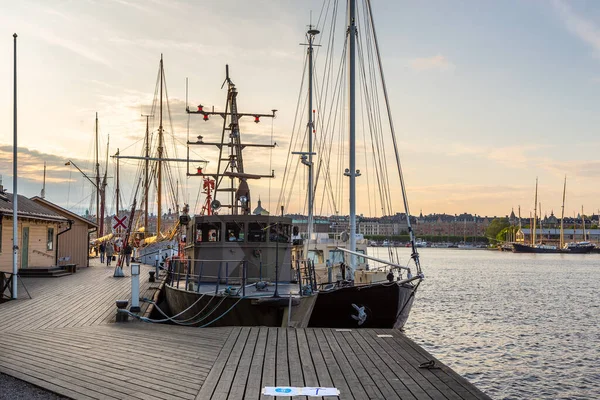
x=306 y=276
x=182 y=270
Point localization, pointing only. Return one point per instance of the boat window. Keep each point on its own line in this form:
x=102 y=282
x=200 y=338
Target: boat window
x=360 y=260
x=336 y=256
x=235 y=231
x=208 y=232
x=257 y=232
x=279 y=233
x=316 y=256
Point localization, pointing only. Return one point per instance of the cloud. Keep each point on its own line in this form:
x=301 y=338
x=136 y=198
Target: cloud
x=584 y=29
x=434 y=63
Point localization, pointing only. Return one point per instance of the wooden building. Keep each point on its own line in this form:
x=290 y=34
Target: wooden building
x=38 y=228
x=74 y=238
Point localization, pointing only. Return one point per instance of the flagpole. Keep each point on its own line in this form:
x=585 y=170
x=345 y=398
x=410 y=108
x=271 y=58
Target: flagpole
x=15 y=195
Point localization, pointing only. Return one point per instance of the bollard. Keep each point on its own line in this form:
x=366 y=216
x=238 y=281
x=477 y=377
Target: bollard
x=121 y=305
x=151 y=279
x=135 y=288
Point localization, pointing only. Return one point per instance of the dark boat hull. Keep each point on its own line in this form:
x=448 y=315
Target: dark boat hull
x=387 y=306
x=218 y=310
x=581 y=249
x=523 y=248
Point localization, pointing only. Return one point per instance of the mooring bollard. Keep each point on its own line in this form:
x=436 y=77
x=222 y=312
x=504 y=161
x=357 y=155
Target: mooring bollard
x=151 y=279
x=122 y=305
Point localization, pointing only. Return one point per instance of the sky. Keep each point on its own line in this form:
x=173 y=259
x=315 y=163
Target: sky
x=485 y=96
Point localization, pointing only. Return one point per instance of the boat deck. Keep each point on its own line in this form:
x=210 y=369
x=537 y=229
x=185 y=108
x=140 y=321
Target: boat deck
x=63 y=340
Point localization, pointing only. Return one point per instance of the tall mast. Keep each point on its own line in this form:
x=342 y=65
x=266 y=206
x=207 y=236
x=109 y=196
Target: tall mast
x=534 y=213
x=117 y=191
x=103 y=191
x=146 y=185
x=583 y=223
x=160 y=153
x=351 y=172
x=101 y=230
x=562 y=216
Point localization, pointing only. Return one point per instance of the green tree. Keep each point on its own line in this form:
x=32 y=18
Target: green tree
x=495 y=227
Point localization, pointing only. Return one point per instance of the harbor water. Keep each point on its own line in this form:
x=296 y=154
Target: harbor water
x=518 y=326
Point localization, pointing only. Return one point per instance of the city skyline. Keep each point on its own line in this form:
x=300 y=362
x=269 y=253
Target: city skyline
x=485 y=97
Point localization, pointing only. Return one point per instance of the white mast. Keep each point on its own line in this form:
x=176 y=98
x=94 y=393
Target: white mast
x=15 y=195
x=351 y=171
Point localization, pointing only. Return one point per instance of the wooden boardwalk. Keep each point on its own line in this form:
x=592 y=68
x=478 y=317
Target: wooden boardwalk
x=64 y=340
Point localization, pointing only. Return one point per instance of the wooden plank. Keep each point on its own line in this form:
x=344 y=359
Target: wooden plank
x=269 y=365
x=102 y=372
x=294 y=362
x=448 y=377
x=282 y=370
x=253 y=386
x=394 y=366
x=377 y=375
x=51 y=386
x=379 y=364
x=358 y=380
x=321 y=371
x=212 y=380
x=226 y=379
x=406 y=364
x=338 y=378
x=240 y=379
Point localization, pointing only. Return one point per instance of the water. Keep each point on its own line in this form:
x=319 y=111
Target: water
x=518 y=326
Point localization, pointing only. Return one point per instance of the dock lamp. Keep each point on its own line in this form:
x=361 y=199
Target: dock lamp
x=135 y=288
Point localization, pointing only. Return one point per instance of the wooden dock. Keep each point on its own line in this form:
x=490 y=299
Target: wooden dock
x=65 y=340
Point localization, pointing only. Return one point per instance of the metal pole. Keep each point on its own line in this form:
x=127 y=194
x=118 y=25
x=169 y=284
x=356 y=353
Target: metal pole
x=311 y=132
x=15 y=195
x=276 y=294
x=352 y=125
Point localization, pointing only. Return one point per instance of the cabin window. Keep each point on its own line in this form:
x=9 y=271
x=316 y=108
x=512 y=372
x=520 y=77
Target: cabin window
x=360 y=260
x=257 y=232
x=208 y=232
x=50 y=242
x=336 y=257
x=235 y=231
x=316 y=256
x=279 y=233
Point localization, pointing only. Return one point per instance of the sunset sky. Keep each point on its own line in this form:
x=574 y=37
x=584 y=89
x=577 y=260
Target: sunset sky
x=485 y=95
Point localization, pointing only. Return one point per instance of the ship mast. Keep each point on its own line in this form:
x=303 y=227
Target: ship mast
x=307 y=157
x=533 y=233
x=230 y=165
x=100 y=227
x=351 y=171
x=562 y=216
x=160 y=153
x=117 y=192
x=146 y=185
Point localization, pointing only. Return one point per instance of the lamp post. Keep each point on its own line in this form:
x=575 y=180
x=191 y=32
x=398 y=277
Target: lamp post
x=276 y=294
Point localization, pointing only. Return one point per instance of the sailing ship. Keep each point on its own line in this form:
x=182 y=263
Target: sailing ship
x=364 y=297
x=562 y=248
x=235 y=266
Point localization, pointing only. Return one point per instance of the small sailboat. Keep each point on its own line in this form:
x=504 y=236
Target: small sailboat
x=364 y=297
